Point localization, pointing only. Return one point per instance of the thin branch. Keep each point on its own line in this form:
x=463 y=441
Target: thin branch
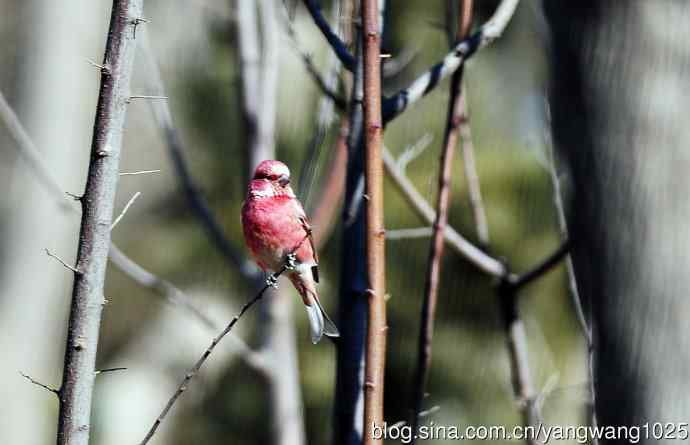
x=375 y=231
x=414 y=151
x=326 y=86
x=140 y=172
x=404 y=234
x=471 y=176
x=149 y=97
x=338 y=46
x=28 y=152
x=433 y=272
x=124 y=210
x=426 y=83
x=103 y=371
x=131 y=269
x=572 y=284
x=457 y=242
x=182 y=387
x=196 y=201
x=548 y=263
x=63 y=262
x=42 y=385
x=158 y=285
x=94 y=239
x=395 y=65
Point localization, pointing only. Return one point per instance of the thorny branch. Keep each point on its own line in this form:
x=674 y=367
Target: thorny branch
x=182 y=387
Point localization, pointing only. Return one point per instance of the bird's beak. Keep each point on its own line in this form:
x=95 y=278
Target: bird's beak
x=284 y=180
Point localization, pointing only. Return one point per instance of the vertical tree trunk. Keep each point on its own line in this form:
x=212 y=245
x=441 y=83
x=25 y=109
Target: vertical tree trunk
x=620 y=107
x=94 y=239
x=375 y=231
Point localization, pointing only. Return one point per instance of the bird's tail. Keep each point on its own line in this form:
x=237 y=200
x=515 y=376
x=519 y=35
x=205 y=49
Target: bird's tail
x=320 y=323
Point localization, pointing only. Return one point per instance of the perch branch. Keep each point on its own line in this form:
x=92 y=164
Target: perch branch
x=424 y=84
x=338 y=46
x=433 y=272
x=94 y=239
x=182 y=387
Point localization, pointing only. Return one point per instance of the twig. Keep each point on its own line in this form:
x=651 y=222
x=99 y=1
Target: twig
x=572 y=284
x=327 y=86
x=338 y=46
x=433 y=272
x=61 y=261
x=102 y=371
x=149 y=97
x=403 y=234
x=134 y=271
x=124 y=210
x=182 y=387
x=420 y=87
x=373 y=126
x=395 y=65
x=460 y=245
x=517 y=282
x=94 y=239
x=414 y=151
x=42 y=385
x=140 y=172
x=471 y=176
x=163 y=116
x=158 y=285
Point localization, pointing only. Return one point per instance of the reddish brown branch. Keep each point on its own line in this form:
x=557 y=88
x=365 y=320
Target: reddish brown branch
x=451 y=135
x=375 y=233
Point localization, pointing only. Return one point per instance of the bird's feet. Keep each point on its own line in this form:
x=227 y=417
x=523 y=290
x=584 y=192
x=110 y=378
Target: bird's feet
x=291 y=261
x=272 y=281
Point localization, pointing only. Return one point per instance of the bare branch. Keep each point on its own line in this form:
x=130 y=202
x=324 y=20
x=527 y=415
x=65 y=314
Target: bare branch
x=63 y=262
x=471 y=176
x=102 y=371
x=414 y=151
x=395 y=65
x=425 y=83
x=403 y=234
x=326 y=86
x=94 y=239
x=433 y=272
x=163 y=116
x=517 y=282
x=124 y=210
x=182 y=387
x=464 y=248
x=149 y=97
x=338 y=46
x=140 y=172
x=42 y=385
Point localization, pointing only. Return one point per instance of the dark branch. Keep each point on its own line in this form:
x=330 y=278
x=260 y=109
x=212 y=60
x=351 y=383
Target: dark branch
x=336 y=43
x=517 y=282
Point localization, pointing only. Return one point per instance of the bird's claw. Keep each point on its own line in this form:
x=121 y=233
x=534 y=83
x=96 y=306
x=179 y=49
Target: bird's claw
x=272 y=281
x=291 y=261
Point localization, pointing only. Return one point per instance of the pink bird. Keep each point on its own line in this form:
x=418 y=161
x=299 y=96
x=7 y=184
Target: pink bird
x=277 y=233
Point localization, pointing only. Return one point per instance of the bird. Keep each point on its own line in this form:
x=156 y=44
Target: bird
x=278 y=236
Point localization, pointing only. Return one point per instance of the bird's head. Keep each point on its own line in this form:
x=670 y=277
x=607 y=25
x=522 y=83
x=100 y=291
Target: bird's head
x=271 y=178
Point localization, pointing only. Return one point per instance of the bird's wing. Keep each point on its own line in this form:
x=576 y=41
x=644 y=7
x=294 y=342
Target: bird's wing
x=307 y=228
x=302 y=216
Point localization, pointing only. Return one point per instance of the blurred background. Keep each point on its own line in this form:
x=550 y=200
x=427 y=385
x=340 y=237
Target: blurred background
x=46 y=75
